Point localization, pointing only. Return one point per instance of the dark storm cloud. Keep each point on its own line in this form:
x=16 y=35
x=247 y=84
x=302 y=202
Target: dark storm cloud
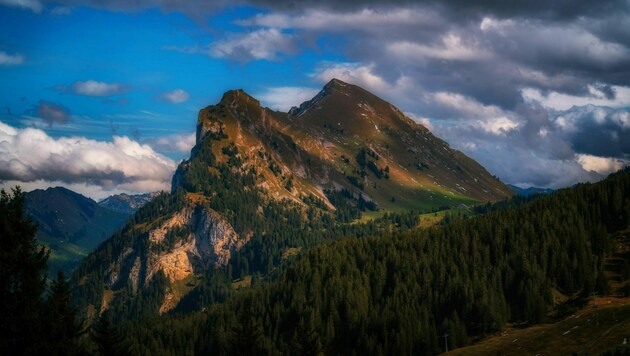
x=597 y=131
x=558 y=9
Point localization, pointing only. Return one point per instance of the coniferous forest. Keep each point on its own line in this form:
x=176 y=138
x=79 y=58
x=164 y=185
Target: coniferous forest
x=396 y=293
x=382 y=292
x=391 y=293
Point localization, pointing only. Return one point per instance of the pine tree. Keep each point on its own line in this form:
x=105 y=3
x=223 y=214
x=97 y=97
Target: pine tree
x=307 y=340
x=63 y=328
x=107 y=337
x=247 y=337
x=22 y=279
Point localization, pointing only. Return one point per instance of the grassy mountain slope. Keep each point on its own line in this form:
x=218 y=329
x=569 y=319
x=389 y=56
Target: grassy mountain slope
x=591 y=330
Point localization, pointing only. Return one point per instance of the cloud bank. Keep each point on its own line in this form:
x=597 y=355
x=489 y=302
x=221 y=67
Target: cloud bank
x=31 y=156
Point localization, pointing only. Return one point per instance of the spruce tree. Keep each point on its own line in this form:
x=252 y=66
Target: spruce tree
x=108 y=338
x=22 y=279
x=63 y=328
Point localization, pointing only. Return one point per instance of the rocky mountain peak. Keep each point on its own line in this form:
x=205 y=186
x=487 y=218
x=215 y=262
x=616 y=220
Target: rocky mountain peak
x=333 y=86
x=236 y=98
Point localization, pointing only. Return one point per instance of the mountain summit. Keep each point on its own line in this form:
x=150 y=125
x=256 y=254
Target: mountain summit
x=344 y=138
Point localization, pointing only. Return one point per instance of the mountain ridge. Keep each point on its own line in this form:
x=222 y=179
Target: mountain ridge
x=126 y=203
x=319 y=142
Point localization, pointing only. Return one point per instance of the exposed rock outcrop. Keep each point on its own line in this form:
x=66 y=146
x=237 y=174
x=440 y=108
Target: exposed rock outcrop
x=190 y=241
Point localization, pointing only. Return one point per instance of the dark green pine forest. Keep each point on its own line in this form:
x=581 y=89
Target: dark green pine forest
x=382 y=287
x=398 y=292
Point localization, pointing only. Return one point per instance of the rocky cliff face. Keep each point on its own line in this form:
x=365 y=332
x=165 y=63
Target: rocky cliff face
x=188 y=242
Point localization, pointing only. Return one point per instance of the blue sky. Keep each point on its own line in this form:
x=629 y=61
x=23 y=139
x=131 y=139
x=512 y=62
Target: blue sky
x=538 y=93
x=142 y=53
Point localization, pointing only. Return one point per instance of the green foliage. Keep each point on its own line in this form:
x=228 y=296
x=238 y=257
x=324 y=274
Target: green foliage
x=109 y=340
x=356 y=181
x=30 y=322
x=289 y=185
x=64 y=330
x=361 y=157
x=22 y=278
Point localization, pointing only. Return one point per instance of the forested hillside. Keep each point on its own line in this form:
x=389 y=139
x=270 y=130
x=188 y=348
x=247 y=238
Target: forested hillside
x=399 y=293
x=117 y=275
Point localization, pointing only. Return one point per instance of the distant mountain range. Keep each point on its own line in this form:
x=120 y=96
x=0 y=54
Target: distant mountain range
x=125 y=203
x=530 y=190
x=72 y=225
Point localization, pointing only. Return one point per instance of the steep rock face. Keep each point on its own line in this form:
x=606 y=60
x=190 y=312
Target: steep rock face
x=215 y=239
x=189 y=242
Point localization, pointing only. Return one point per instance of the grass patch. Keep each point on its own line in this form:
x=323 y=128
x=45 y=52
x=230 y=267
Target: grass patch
x=183 y=286
x=291 y=251
x=242 y=282
x=579 y=333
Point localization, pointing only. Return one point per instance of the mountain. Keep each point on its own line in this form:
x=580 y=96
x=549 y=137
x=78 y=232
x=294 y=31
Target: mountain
x=70 y=224
x=494 y=274
x=261 y=186
x=126 y=204
x=530 y=191
x=344 y=138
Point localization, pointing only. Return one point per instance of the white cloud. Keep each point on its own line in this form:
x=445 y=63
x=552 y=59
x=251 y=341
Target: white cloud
x=176 y=96
x=283 y=98
x=601 y=165
x=10 y=60
x=537 y=40
x=94 y=88
x=61 y=11
x=499 y=125
x=33 y=5
x=451 y=48
x=30 y=155
x=265 y=44
x=561 y=101
x=96 y=192
x=179 y=143
x=464 y=106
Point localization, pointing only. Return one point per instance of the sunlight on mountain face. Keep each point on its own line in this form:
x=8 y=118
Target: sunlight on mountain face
x=317 y=177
